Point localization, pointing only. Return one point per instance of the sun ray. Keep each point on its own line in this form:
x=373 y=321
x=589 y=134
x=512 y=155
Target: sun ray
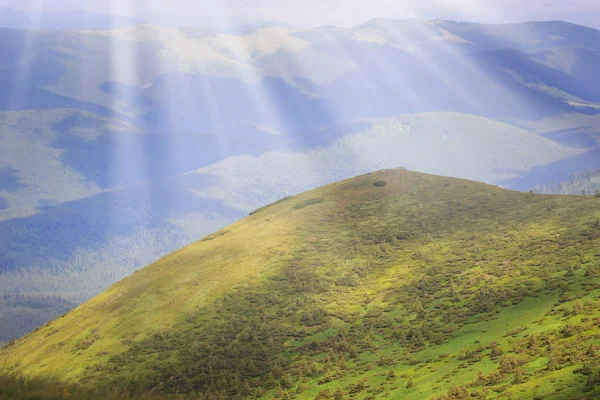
x=22 y=85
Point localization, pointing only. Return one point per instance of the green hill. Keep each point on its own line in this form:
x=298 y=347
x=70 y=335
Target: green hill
x=392 y=285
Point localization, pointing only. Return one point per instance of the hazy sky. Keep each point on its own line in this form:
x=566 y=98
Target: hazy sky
x=310 y=13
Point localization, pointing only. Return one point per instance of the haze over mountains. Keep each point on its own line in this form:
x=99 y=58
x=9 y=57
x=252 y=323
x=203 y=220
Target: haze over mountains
x=119 y=146
x=49 y=19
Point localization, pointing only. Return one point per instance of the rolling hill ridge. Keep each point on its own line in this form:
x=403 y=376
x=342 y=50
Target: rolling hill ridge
x=392 y=284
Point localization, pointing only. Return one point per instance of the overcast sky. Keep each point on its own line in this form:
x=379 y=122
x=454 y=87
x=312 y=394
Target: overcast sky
x=311 y=13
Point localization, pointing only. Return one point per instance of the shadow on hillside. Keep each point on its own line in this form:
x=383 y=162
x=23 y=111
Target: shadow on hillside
x=9 y=180
x=86 y=224
x=116 y=158
x=17 y=388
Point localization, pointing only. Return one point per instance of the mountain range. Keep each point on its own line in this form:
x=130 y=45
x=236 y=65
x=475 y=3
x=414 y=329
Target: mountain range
x=121 y=144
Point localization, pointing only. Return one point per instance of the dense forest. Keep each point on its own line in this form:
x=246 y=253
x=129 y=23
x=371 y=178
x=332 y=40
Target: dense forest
x=582 y=184
x=19 y=311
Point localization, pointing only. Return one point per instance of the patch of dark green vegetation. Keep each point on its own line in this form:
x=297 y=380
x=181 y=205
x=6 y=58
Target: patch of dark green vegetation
x=380 y=183
x=16 y=388
x=89 y=340
x=269 y=205
x=308 y=202
x=216 y=234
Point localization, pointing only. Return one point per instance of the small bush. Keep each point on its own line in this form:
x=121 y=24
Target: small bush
x=215 y=235
x=380 y=183
x=348 y=281
x=308 y=202
x=89 y=340
x=402 y=235
x=269 y=205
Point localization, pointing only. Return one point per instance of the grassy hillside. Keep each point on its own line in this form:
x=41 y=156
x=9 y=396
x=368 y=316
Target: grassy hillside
x=389 y=285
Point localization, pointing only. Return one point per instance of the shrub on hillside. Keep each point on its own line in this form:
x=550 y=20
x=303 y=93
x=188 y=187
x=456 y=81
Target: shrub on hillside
x=308 y=202
x=348 y=281
x=269 y=205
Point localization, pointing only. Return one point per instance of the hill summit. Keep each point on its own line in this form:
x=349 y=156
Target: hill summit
x=393 y=284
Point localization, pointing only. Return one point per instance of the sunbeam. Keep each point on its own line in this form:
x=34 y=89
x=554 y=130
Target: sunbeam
x=27 y=57
x=299 y=200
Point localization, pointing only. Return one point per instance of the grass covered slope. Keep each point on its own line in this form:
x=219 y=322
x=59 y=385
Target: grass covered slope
x=392 y=284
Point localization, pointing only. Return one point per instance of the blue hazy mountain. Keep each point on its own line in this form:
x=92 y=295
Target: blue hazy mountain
x=121 y=142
